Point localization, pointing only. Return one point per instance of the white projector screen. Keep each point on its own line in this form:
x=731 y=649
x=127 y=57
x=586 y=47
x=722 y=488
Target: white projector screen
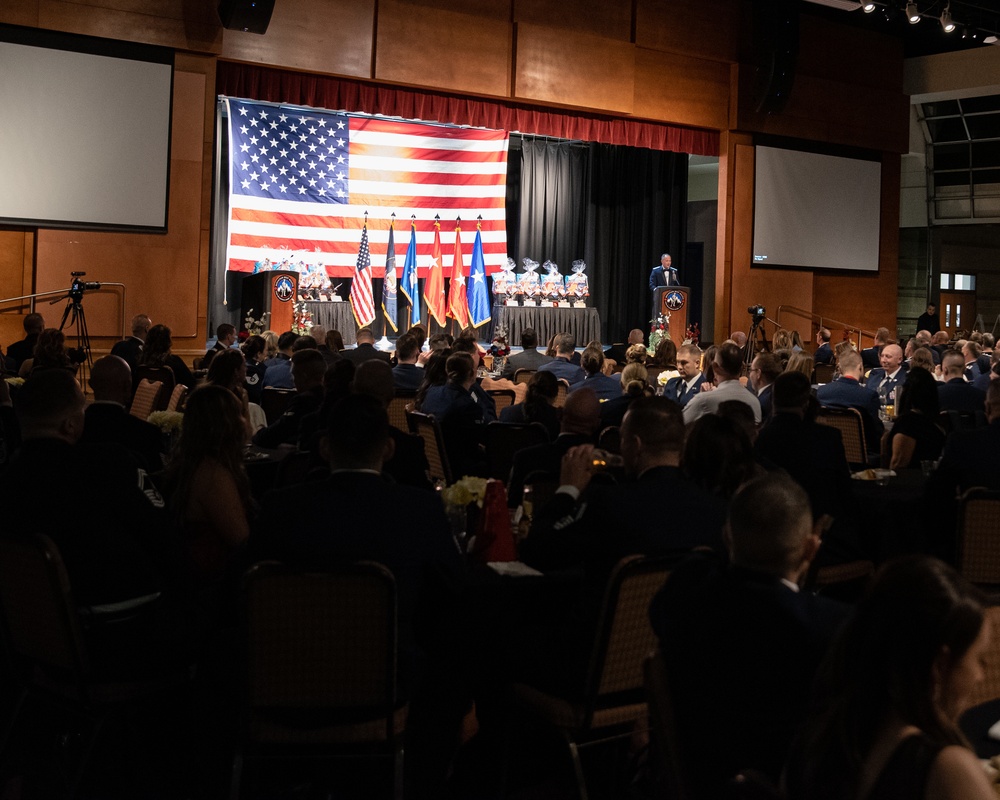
x=84 y=131
x=816 y=211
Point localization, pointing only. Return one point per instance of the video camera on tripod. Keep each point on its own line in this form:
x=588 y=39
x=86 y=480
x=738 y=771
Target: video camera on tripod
x=73 y=314
x=78 y=287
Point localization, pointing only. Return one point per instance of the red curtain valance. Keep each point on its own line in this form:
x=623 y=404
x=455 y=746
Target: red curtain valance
x=322 y=91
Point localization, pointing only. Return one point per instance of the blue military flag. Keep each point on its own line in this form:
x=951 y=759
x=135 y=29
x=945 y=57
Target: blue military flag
x=478 y=297
x=409 y=285
x=389 y=281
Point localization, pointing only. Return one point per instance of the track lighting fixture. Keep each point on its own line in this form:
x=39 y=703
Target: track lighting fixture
x=912 y=14
x=868 y=6
x=947 y=23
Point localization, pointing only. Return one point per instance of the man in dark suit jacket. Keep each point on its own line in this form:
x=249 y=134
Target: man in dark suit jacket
x=581 y=417
x=847 y=392
x=24 y=349
x=406 y=375
x=617 y=352
x=824 y=353
x=741 y=642
x=955 y=393
x=308 y=369
x=681 y=389
x=764 y=371
x=131 y=348
x=106 y=419
x=561 y=366
x=528 y=358
x=869 y=356
x=365 y=349
x=972 y=458
x=891 y=375
x=664 y=274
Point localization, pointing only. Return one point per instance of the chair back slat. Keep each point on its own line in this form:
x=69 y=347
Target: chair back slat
x=848 y=422
x=523 y=375
x=979 y=536
x=428 y=429
x=560 y=400
x=503 y=398
x=144 y=402
x=398 y=408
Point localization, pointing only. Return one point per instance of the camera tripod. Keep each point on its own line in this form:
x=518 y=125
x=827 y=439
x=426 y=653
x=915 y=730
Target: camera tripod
x=77 y=319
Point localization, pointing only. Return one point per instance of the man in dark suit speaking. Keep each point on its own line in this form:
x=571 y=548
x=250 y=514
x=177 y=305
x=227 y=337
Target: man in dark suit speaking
x=663 y=275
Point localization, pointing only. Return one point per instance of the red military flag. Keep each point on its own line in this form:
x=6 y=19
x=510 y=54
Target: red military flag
x=458 y=306
x=434 y=285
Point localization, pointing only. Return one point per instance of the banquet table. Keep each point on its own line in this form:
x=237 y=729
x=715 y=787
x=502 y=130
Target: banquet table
x=583 y=323
x=334 y=317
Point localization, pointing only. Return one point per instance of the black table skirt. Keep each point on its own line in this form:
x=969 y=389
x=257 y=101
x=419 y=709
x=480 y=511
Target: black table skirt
x=334 y=317
x=583 y=323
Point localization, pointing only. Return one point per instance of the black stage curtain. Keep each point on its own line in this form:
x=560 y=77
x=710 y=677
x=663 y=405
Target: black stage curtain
x=617 y=207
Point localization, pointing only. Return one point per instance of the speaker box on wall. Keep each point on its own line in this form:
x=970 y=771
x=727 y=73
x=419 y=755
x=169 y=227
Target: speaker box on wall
x=251 y=16
x=776 y=46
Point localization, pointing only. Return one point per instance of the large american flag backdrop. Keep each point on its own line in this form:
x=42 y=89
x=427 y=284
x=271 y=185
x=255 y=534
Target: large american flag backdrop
x=302 y=179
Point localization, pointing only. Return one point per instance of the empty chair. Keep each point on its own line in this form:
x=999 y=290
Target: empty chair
x=979 y=536
x=177 y=397
x=146 y=398
x=502 y=398
x=401 y=403
x=852 y=432
x=523 y=375
x=427 y=428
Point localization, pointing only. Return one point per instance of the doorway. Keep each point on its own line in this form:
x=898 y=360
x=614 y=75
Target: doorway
x=957 y=311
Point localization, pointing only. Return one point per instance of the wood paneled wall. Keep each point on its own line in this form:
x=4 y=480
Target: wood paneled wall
x=679 y=61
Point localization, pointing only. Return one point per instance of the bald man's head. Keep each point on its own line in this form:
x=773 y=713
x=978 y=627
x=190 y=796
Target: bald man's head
x=111 y=380
x=581 y=412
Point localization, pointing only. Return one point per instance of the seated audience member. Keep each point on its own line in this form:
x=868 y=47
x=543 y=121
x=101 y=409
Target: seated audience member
x=335 y=341
x=606 y=387
x=278 y=370
x=916 y=435
x=561 y=366
x=528 y=358
x=254 y=351
x=804 y=363
x=582 y=524
x=924 y=339
x=107 y=418
x=49 y=353
x=975 y=362
x=849 y=392
x=407 y=464
x=797 y=344
x=824 y=352
x=460 y=416
x=982 y=381
x=131 y=348
x=688 y=384
x=972 y=458
x=538 y=406
x=891 y=691
x=923 y=357
x=338 y=383
x=812 y=454
x=406 y=375
x=308 y=369
x=636 y=354
x=229 y=370
x=764 y=370
x=578 y=425
x=870 y=355
x=634 y=384
x=320 y=334
x=741 y=642
x=718 y=455
x=156 y=353
x=225 y=337
x=726 y=368
x=618 y=350
x=23 y=349
x=271 y=338
x=782 y=340
x=418 y=332
x=206 y=483
x=467 y=344
x=436 y=343
x=404 y=529
x=890 y=374
x=365 y=349
x=955 y=393
x=115 y=543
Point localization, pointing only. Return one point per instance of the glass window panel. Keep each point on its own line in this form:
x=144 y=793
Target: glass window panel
x=958 y=178
x=985 y=177
x=941 y=108
x=958 y=315
x=965 y=283
x=947 y=315
x=951 y=156
x=986 y=154
x=949 y=129
x=945 y=280
x=983 y=126
x=973 y=105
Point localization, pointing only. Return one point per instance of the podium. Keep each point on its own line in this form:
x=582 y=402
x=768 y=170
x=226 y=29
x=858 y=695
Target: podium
x=673 y=300
x=271 y=291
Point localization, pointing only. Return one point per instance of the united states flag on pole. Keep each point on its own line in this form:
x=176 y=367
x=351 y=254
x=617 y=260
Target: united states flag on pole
x=301 y=180
x=362 y=302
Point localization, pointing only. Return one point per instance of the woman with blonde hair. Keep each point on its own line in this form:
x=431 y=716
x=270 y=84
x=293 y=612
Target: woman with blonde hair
x=635 y=383
x=802 y=362
x=782 y=340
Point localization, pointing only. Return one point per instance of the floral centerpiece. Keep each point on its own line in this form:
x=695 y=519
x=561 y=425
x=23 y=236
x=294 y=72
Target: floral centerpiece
x=658 y=330
x=14 y=381
x=169 y=423
x=302 y=319
x=255 y=327
x=692 y=334
x=462 y=502
x=499 y=348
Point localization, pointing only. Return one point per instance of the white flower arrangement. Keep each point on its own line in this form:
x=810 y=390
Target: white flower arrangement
x=167 y=421
x=465 y=491
x=255 y=327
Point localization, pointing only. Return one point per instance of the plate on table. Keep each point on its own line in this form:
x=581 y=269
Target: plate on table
x=873 y=475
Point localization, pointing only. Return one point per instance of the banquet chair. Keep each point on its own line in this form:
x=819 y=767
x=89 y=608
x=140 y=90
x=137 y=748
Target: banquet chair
x=177 y=398
x=824 y=373
x=979 y=536
x=398 y=407
x=523 y=375
x=321 y=660
x=503 y=398
x=274 y=402
x=852 y=432
x=613 y=701
x=560 y=400
x=428 y=429
x=144 y=401
x=953 y=420
x=610 y=439
x=44 y=638
x=504 y=439
x=163 y=375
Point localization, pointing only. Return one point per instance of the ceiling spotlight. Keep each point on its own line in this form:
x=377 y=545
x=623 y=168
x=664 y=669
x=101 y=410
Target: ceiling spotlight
x=868 y=6
x=912 y=14
x=946 y=21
